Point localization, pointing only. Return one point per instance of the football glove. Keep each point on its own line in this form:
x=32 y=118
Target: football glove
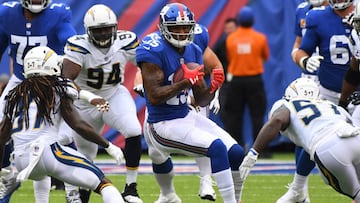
x=215 y=104
x=310 y=64
x=115 y=152
x=248 y=163
x=194 y=76
x=349 y=19
x=4 y=172
x=354 y=98
x=139 y=89
x=354 y=44
x=217 y=78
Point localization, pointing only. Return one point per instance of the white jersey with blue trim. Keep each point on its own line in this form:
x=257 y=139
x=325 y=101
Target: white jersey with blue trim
x=156 y=50
x=313 y=121
x=100 y=72
x=37 y=127
x=51 y=27
x=333 y=44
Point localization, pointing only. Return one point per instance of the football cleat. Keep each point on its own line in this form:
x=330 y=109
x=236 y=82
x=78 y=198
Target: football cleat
x=294 y=195
x=206 y=190
x=130 y=194
x=8 y=187
x=170 y=198
x=73 y=197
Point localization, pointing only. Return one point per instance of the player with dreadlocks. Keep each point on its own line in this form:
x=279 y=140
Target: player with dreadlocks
x=33 y=113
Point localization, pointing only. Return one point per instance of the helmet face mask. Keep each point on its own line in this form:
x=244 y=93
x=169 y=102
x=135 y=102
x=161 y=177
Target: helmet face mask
x=356 y=18
x=177 y=24
x=42 y=61
x=35 y=6
x=101 y=25
x=340 y=4
x=302 y=88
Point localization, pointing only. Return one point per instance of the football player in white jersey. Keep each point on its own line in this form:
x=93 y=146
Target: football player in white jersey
x=96 y=62
x=323 y=129
x=33 y=113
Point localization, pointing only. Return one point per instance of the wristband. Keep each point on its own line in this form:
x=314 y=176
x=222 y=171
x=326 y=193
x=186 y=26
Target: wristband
x=88 y=96
x=303 y=61
x=253 y=151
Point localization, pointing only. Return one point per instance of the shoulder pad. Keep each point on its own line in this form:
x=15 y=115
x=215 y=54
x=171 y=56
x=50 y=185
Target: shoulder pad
x=78 y=43
x=127 y=40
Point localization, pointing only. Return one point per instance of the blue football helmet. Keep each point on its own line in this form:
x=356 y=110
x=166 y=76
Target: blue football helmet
x=340 y=4
x=35 y=7
x=175 y=15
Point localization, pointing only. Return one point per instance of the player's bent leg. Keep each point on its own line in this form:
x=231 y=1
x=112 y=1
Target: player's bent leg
x=206 y=190
x=8 y=181
x=42 y=189
x=164 y=176
x=108 y=192
x=236 y=155
x=221 y=170
x=132 y=157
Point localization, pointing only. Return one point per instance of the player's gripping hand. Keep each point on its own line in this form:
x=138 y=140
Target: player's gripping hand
x=215 y=104
x=311 y=64
x=248 y=163
x=139 y=89
x=4 y=172
x=354 y=98
x=354 y=44
x=115 y=152
x=195 y=75
x=217 y=78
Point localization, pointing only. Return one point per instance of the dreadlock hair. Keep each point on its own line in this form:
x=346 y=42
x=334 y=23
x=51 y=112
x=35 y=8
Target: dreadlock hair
x=40 y=89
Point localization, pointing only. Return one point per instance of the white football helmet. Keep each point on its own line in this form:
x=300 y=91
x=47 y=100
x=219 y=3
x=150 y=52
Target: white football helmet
x=35 y=7
x=177 y=14
x=302 y=88
x=41 y=61
x=340 y=4
x=101 y=25
x=316 y=3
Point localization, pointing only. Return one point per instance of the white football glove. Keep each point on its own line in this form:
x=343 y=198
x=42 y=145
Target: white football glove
x=349 y=19
x=311 y=64
x=354 y=43
x=4 y=172
x=248 y=163
x=115 y=152
x=215 y=104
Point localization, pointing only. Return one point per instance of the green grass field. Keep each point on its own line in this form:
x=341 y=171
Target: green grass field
x=258 y=189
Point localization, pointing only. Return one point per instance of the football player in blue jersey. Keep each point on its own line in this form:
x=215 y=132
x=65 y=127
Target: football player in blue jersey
x=33 y=28
x=331 y=65
x=201 y=38
x=305 y=166
x=170 y=126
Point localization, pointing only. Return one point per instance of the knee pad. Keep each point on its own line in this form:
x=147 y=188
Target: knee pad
x=218 y=156
x=165 y=167
x=236 y=155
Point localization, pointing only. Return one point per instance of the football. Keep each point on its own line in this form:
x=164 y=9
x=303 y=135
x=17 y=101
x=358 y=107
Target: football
x=179 y=74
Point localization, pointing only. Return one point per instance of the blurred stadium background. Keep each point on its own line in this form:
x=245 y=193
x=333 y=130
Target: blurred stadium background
x=275 y=18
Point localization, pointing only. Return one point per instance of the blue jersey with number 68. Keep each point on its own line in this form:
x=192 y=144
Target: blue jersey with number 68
x=154 y=49
x=324 y=29
x=52 y=27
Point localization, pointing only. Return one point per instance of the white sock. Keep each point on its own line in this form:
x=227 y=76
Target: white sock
x=69 y=187
x=225 y=185
x=110 y=194
x=42 y=190
x=204 y=165
x=131 y=176
x=165 y=182
x=300 y=181
x=238 y=185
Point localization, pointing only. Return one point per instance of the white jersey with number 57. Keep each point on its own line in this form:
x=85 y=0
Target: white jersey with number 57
x=101 y=71
x=313 y=122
